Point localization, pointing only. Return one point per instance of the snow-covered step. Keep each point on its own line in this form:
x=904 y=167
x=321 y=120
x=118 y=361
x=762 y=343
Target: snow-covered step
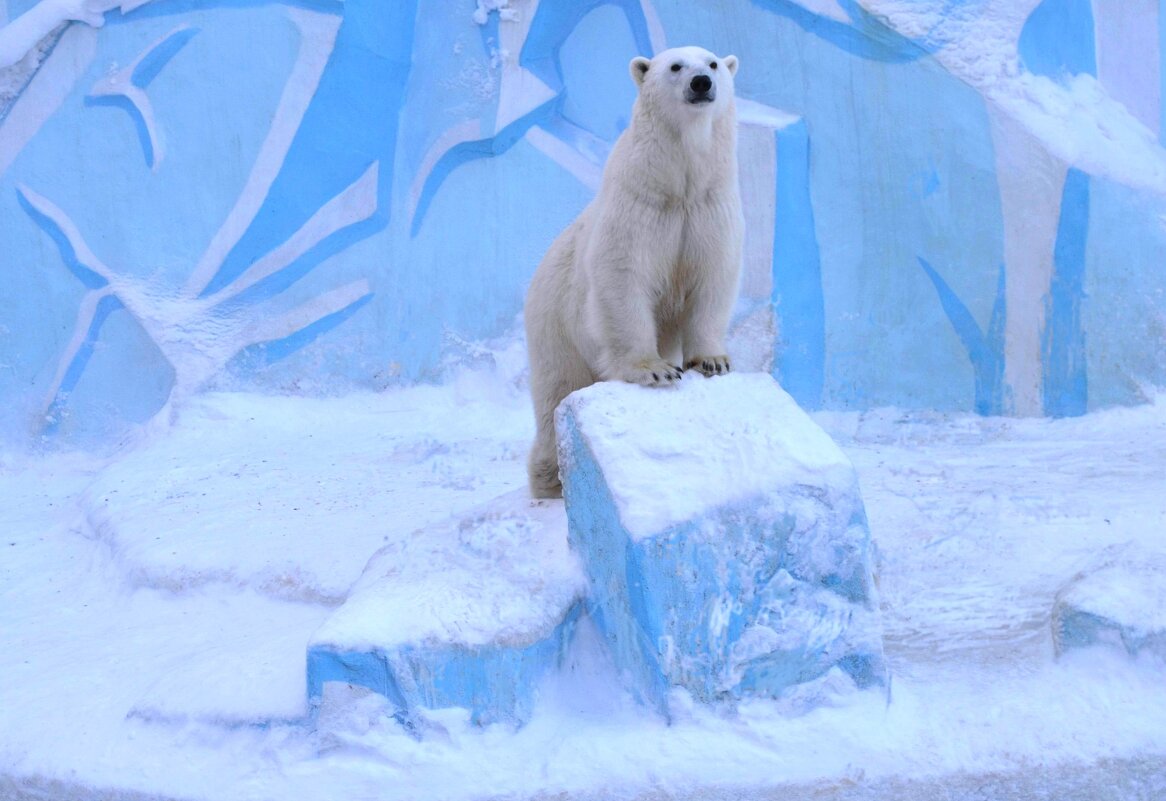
x=467 y=613
x=240 y=494
x=1121 y=604
x=723 y=536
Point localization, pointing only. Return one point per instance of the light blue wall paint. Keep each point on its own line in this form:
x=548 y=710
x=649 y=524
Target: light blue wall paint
x=351 y=123
x=900 y=166
x=600 y=93
x=1162 y=72
x=1064 y=385
x=800 y=358
x=865 y=36
x=985 y=347
x=554 y=23
x=138 y=393
x=1123 y=306
x=901 y=163
x=145 y=72
x=1058 y=39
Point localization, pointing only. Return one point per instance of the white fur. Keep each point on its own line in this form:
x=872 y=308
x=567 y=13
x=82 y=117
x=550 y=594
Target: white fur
x=644 y=280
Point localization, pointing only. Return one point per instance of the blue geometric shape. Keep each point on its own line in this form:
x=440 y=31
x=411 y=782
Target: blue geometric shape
x=466 y=152
x=1063 y=357
x=552 y=25
x=88 y=277
x=135 y=114
x=797 y=273
x=931 y=182
x=351 y=122
x=598 y=94
x=866 y=36
x=266 y=353
x=173 y=7
x=153 y=62
x=1162 y=72
x=105 y=307
x=1058 y=39
x=985 y=350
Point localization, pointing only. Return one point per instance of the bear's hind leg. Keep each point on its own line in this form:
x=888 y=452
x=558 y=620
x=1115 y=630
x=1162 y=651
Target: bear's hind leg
x=552 y=379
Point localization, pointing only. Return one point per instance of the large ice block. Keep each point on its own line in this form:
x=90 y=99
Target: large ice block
x=723 y=535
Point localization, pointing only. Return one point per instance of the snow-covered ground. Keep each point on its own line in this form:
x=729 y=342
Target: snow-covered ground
x=156 y=607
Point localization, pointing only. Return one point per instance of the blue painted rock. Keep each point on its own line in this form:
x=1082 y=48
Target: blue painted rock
x=1121 y=605
x=469 y=613
x=724 y=538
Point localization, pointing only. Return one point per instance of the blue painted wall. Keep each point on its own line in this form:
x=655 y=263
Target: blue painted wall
x=417 y=195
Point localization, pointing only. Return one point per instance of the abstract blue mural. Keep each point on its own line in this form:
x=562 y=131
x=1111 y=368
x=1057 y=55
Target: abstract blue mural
x=321 y=194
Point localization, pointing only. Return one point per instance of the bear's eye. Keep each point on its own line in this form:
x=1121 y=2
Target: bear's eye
x=676 y=68
x=713 y=65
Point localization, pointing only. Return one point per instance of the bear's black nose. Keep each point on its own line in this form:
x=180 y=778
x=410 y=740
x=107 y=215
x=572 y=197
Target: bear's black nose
x=701 y=84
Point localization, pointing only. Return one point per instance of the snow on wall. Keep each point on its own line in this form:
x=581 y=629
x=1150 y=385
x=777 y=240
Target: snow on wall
x=951 y=204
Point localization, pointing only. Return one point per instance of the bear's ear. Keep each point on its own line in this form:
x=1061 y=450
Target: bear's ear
x=639 y=69
x=731 y=63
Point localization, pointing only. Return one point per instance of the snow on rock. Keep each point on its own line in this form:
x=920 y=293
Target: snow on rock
x=470 y=613
x=1122 y=603
x=724 y=538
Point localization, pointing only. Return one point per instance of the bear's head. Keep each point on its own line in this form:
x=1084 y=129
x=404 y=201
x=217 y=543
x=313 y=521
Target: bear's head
x=685 y=80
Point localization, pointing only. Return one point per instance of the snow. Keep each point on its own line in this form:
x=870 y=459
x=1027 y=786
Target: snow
x=471 y=612
x=1076 y=118
x=703 y=453
x=194 y=686
x=486 y=7
x=1121 y=600
x=500 y=573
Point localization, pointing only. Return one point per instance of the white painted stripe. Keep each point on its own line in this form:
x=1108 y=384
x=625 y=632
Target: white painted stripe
x=299 y=318
x=47 y=90
x=356 y=203
x=1031 y=182
x=585 y=171
x=750 y=112
x=121 y=83
x=655 y=28
x=466 y=131
x=85 y=313
x=757 y=156
x=520 y=90
x=318 y=38
x=85 y=256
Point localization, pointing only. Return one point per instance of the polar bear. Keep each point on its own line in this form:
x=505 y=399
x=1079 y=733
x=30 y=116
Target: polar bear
x=642 y=283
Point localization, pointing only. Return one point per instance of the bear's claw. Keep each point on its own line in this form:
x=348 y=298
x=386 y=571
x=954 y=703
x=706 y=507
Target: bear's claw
x=654 y=373
x=710 y=365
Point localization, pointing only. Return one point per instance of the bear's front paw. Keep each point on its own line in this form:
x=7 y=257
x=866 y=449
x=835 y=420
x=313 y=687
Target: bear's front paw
x=653 y=373
x=709 y=365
